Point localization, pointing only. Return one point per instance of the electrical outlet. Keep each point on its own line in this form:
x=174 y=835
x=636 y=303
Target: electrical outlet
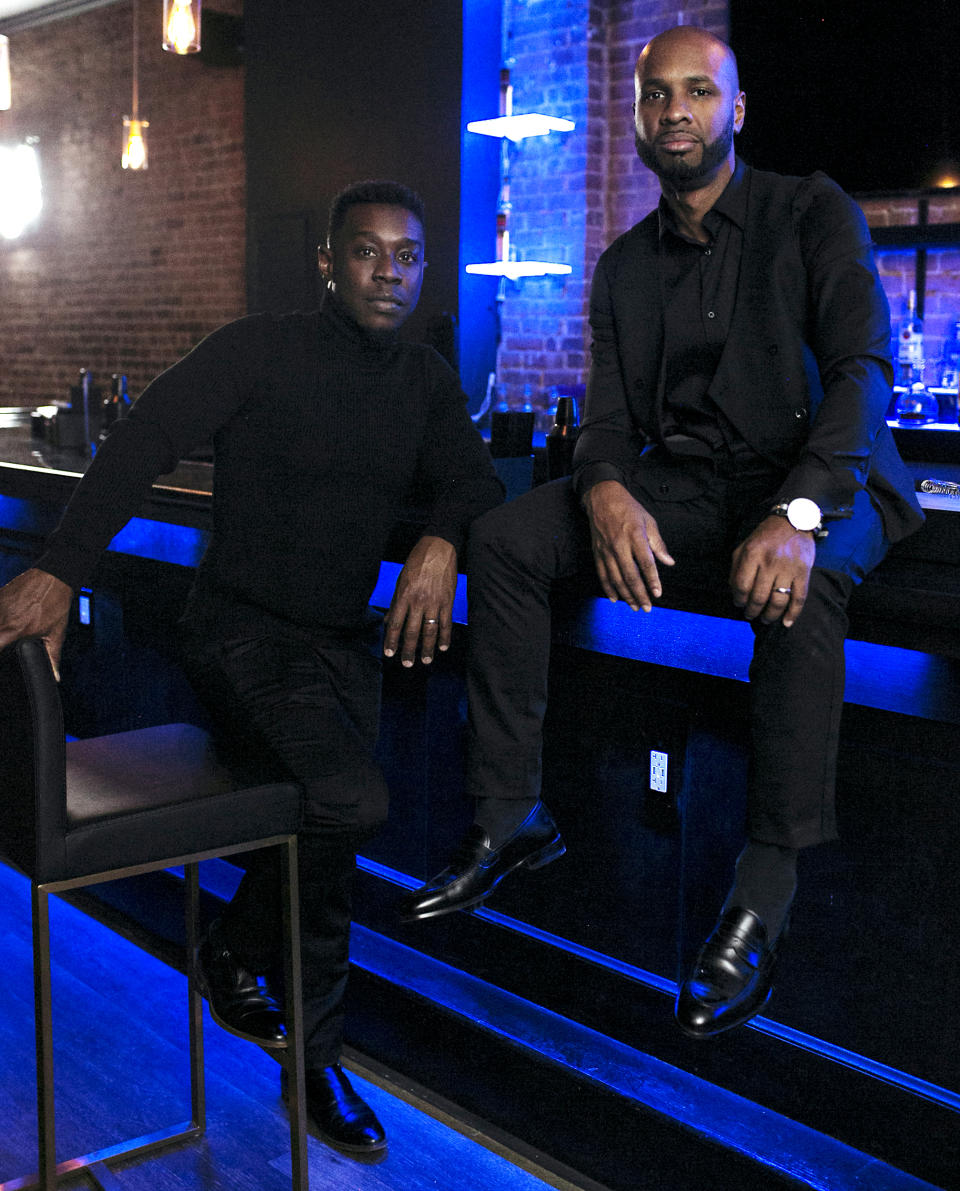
x=658 y=771
x=85 y=606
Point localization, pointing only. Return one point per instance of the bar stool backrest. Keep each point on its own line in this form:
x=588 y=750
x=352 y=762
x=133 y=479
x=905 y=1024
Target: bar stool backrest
x=32 y=757
x=116 y=806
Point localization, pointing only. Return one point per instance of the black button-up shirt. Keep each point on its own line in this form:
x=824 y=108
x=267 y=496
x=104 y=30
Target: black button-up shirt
x=699 y=286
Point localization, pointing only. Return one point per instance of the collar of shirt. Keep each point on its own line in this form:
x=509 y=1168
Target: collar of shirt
x=732 y=205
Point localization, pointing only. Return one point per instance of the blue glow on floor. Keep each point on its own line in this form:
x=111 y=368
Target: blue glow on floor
x=218 y=877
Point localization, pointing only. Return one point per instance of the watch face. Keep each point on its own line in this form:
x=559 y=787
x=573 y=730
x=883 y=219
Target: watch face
x=803 y=513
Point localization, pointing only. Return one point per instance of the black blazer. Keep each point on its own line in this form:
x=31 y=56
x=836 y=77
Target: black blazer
x=805 y=375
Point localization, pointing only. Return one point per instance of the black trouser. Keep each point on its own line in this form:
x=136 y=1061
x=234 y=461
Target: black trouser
x=518 y=550
x=303 y=706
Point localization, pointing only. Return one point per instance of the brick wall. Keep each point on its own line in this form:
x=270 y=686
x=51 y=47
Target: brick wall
x=556 y=215
x=122 y=271
x=632 y=190
x=574 y=193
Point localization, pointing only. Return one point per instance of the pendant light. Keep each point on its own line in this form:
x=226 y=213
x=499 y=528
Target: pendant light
x=181 y=26
x=4 y=73
x=134 y=155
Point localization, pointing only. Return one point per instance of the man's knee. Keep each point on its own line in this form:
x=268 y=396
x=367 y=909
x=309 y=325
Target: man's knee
x=350 y=804
x=491 y=534
x=527 y=533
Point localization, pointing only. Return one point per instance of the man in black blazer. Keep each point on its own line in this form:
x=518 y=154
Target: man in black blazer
x=734 y=435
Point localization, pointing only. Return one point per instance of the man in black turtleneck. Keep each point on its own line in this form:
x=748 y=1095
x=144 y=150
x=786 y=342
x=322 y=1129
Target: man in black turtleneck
x=322 y=424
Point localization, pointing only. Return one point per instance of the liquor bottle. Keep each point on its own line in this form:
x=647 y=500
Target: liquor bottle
x=916 y=405
x=87 y=399
x=108 y=410
x=950 y=360
x=115 y=404
x=909 y=343
x=562 y=438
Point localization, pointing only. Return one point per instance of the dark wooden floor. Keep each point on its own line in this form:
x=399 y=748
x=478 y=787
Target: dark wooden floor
x=120 y=1037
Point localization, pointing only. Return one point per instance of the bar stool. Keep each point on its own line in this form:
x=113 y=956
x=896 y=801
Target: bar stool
x=90 y=811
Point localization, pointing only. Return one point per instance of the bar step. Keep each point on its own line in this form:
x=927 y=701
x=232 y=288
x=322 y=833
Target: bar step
x=569 y=1089
x=623 y=1117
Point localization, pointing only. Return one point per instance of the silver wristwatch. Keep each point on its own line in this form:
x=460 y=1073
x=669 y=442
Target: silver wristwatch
x=803 y=514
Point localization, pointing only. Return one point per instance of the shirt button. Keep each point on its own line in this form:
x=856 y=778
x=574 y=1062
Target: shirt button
x=800 y=413
x=664 y=489
x=710 y=314
x=706 y=252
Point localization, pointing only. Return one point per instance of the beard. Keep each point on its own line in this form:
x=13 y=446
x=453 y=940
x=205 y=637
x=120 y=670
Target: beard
x=683 y=175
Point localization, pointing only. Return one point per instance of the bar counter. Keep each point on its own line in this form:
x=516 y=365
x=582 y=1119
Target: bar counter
x=911 y=600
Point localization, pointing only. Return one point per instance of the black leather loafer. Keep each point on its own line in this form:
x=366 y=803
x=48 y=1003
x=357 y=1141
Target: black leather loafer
x=339 y=1116
x=477 y=869
x=239 y=1001
x=731 y=980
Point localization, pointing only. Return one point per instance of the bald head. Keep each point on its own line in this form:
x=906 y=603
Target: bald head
x=692 y=39
x=688 y=107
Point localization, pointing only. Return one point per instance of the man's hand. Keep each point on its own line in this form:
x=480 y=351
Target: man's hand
x=36 y=604
x=422 y=604
x=626 y=545
x=771 y=571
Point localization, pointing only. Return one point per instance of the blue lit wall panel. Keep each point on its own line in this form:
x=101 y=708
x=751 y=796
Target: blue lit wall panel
x=479 y=188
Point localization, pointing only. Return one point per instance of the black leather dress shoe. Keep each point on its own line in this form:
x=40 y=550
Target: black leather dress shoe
x=731 y=980
x=239 y=1001
x=338 y=1115
x=477 y=869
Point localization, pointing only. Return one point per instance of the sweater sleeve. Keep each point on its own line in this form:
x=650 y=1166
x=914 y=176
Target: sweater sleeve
x=455 y=473
x=179 y=410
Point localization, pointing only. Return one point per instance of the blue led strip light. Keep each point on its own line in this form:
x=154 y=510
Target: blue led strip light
x=818 y=1046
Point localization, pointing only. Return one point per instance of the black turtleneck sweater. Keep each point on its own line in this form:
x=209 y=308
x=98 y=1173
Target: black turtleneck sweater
x=321 y=430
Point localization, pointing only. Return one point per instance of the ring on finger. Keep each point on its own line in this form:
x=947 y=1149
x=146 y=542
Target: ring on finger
x=782 y=590
x=430 y=620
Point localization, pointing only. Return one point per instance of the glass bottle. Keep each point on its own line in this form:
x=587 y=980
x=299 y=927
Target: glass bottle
x=87 y=407
x=909 y=343
x=950 y=359
x=562 y=438
x=115 y=404
x=916 y=405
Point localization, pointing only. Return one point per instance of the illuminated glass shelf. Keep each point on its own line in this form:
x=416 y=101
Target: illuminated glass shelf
x=517 y=128
x=513 y=270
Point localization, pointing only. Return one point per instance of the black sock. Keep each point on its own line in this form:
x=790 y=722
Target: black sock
x=765 y=882
x=500 y=817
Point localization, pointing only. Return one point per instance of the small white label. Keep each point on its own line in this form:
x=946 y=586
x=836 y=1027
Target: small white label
x=658 y=771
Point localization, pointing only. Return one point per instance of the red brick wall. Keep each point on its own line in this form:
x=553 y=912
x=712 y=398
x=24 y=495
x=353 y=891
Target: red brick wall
x=632 y=190
x=572 y=193
x=122 y=272
x=556 y=206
